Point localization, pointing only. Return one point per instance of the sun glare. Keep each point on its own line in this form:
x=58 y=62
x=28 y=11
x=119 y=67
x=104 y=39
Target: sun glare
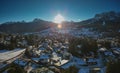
x=58 y=18
x=59 y=26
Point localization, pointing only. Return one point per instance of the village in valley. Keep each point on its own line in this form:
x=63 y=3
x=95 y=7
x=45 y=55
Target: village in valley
x=58 y=51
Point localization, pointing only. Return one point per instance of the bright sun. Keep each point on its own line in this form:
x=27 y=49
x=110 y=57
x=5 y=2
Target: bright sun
x=58 y=18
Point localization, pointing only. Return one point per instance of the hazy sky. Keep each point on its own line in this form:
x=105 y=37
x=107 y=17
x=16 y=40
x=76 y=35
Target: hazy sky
x=18 y=10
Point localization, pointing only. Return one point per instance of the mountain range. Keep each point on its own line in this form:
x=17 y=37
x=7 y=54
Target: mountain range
x=106 y=21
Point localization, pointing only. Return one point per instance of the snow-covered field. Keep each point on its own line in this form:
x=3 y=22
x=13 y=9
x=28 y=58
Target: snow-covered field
x=10 y=54
x=75 y=32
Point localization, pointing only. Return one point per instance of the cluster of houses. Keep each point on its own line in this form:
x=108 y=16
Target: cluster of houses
x=9 y=39
x=50 y=52
x=110 y=54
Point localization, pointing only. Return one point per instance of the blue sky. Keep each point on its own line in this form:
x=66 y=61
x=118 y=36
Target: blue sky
x=18 y=10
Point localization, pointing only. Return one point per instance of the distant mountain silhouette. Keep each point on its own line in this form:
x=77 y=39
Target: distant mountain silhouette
x=20 y=27
x=107 y=21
